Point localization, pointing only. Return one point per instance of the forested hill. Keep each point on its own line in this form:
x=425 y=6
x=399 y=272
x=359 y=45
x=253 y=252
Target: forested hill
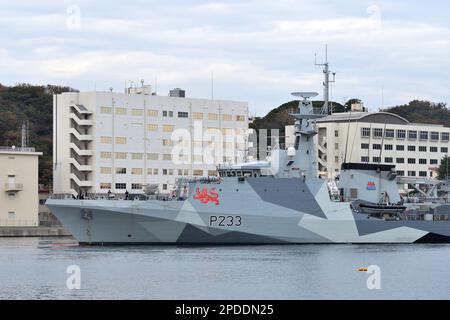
x=415 y=111
x=33 y=103
x=423 y=112
x=279 y=117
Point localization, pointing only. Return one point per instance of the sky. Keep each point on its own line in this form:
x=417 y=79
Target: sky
x=383 y=52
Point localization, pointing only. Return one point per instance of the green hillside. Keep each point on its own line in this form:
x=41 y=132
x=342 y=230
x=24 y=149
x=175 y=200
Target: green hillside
x=33 y=103
x=423 y=112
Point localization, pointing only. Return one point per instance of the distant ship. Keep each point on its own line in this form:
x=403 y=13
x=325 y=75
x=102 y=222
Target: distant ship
x=279 y=201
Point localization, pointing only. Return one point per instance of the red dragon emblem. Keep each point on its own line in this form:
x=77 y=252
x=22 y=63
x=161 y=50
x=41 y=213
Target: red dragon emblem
x=204 y=197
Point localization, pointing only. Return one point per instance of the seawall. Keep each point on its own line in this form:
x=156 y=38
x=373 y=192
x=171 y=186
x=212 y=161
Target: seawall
x=33 y=232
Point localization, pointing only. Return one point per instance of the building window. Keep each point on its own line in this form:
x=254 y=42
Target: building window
x=153 y=171
x=152 y=113
x=444 y=150
x=183 y=114
x=336 y=133
x=121 y=186
x=365 y=132
x=336 y=159
x=136 y=171
x=401 y=173
x=105 y=170
x=389 y=133
x=136 y=186
x=121 y=111
x=198 y=116
x=412 y=148
x=336 y=146
x=376 y=159
x=227 y=117
x=411 y=161
x=212 y=116
x=121 y=155
x=423 y=135
x=121 y=140
x=376 y=146
x=423 y=161
x=106 y=155
x=445 y=136
x=433 y=149
x=164 y=172
x=167 y=114
x=365 y=159
x=377 y=133
x=137 y=112
x=422 y=174
x=105 y=110
x=105 y=139
x=423 y=148
x=388 y=147
x=105 y=185
x=412 y=135
x=164 y=186
x=137 y=156
x=401 y=134
x=121 y=170
x=152 y=156
x=400 y=160
x=433 y=161
x=170 y=172
x=167 y=157
x=240 y=118
x=152 y=127
x=167 y=142
x=400 y=147
x=198 y=173
x=411 y=173
x=364 y=146
x=388 y=160
x=168 y=128
x=186 y=172
x=212 y=173
x=434 y=136
x=11 y=215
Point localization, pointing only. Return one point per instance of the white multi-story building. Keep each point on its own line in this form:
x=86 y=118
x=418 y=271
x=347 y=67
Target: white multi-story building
x=118 y=142
x=361 y=137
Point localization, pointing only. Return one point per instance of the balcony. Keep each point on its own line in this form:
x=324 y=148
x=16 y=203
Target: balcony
x=13 y=187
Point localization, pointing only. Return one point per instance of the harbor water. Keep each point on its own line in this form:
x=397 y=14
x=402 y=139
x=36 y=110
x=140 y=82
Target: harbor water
x=36 y=268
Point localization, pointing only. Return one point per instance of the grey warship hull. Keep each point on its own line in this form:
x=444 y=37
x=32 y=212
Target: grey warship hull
x=250 y=211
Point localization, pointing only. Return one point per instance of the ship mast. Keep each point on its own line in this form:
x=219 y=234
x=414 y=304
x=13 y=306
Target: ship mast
x=305 y=130
x=327 y=82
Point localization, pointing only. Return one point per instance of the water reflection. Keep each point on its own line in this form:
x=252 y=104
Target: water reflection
x=33 y=268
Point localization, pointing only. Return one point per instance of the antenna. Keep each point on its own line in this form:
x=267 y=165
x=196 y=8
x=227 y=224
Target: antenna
x=327 y=82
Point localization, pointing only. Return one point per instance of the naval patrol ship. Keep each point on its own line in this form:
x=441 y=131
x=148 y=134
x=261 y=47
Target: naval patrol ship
x=278 y=201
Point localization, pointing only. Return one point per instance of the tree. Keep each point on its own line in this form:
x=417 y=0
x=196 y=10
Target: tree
x=348 y=104
x=444 y=169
